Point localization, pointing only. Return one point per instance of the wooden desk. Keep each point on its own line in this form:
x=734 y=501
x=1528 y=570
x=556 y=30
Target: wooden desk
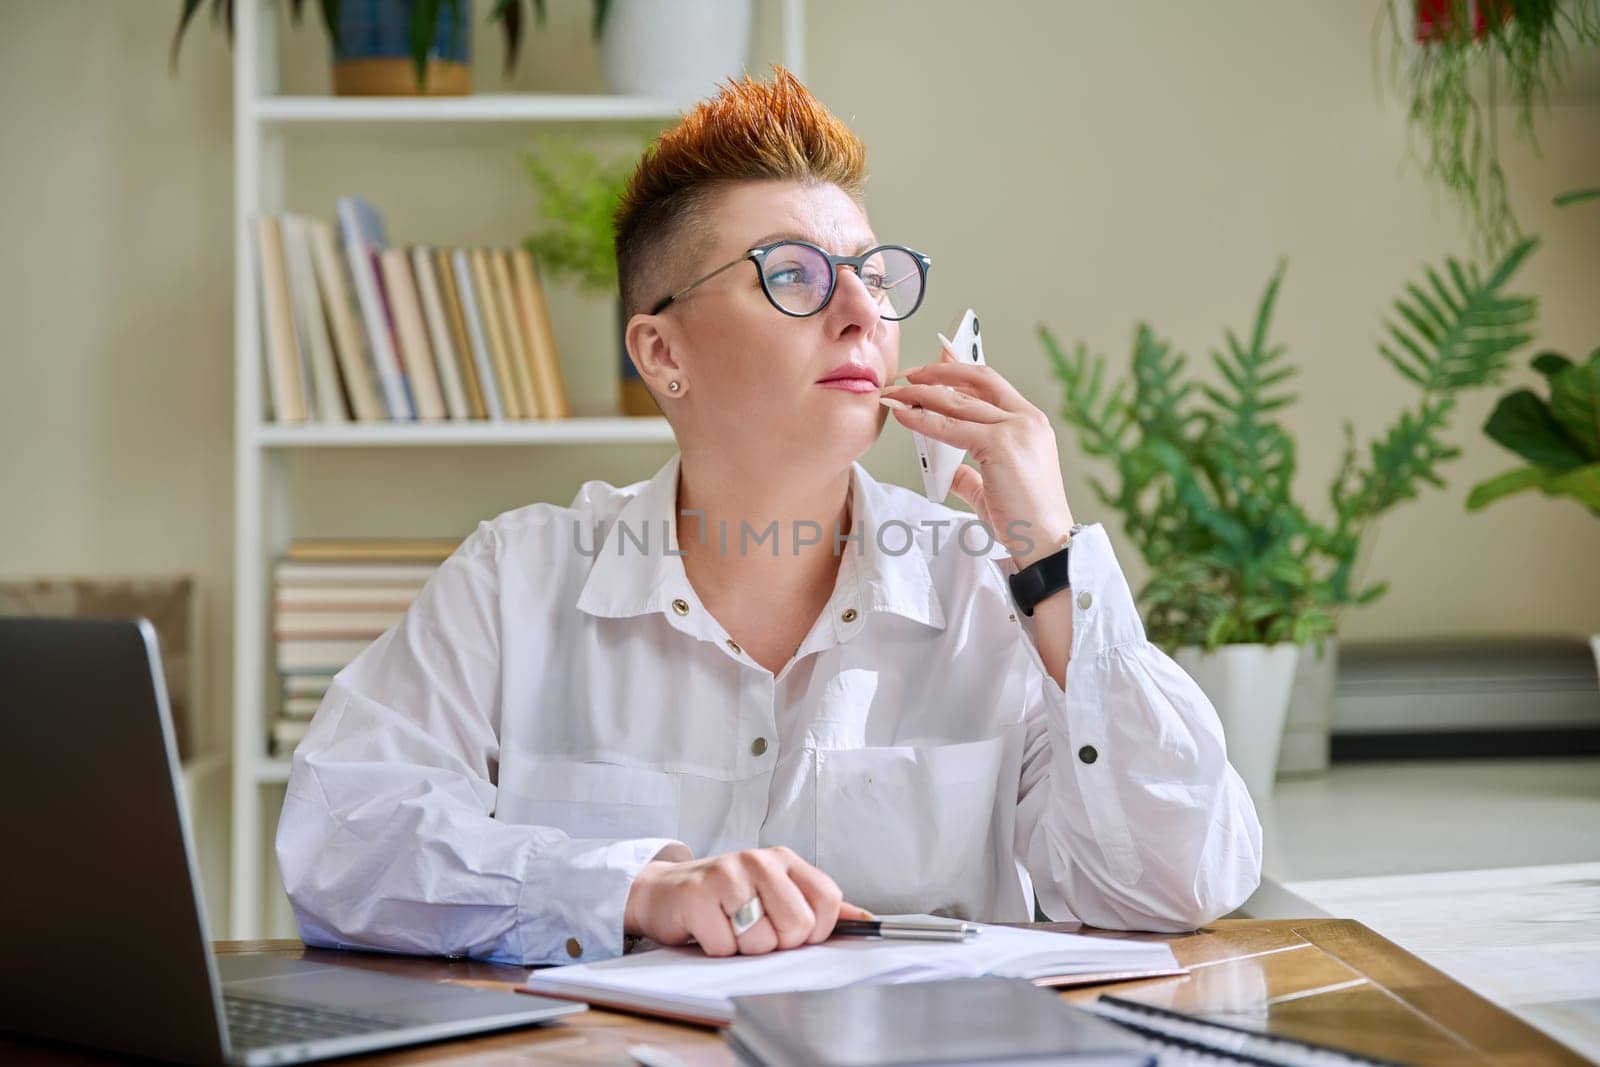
x=1331 y=981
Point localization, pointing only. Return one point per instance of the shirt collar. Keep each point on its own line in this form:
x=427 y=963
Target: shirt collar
x=636 y=569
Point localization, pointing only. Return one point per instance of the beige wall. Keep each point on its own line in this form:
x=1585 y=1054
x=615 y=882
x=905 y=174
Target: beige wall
x=1082 y=165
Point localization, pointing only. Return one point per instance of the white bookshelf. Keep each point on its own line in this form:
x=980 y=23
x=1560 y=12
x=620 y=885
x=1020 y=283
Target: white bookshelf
x=263 y=452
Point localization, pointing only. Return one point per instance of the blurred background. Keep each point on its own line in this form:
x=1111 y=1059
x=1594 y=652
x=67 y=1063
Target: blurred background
x=1084 y=167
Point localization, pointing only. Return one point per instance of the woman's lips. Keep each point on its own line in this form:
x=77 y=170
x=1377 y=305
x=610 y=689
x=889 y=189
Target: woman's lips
x=850 y=385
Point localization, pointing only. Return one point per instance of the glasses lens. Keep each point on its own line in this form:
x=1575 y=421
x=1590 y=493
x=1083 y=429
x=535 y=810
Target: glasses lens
x=894 y=276
x=798 y=277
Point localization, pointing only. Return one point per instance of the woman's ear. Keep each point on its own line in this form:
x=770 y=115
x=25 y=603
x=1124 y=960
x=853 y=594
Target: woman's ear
x=650 y=346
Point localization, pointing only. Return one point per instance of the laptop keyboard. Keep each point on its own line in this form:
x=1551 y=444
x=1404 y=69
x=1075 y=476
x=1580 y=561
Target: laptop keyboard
x=262 y=1023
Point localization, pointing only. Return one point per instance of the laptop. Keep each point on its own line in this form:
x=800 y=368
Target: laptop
x=105 y=941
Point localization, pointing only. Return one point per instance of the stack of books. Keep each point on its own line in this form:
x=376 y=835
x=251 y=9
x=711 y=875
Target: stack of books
x=354 y=330
x=331 y=599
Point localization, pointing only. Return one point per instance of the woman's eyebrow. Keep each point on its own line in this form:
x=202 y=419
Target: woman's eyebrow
x=792 y=235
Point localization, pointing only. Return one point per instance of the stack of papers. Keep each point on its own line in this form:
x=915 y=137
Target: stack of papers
x=685 y=983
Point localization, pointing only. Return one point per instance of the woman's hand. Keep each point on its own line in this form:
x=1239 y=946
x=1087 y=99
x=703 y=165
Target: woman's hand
x=673 y=902
x=1019 y=493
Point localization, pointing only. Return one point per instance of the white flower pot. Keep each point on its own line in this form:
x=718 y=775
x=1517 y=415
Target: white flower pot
x=1310 y=719
x=1249 y=686
x=680 y=50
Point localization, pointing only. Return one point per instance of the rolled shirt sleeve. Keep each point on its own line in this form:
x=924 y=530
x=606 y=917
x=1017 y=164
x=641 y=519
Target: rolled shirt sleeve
x=388 y=839
x=1129 y=814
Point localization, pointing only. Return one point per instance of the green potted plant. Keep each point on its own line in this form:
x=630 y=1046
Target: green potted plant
x=398 y=47
x=1559 y=439
x=1241 y=575
x=1455 y=59
x=578 y=196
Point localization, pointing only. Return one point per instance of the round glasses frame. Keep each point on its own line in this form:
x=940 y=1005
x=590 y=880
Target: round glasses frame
x=758 y=257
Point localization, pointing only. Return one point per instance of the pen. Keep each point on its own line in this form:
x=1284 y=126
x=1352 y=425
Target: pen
x=908 y=929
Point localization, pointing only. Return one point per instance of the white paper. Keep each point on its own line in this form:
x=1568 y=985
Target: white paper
x=687 y=981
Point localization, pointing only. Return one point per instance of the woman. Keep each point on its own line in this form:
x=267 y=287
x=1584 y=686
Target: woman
x=762 y=691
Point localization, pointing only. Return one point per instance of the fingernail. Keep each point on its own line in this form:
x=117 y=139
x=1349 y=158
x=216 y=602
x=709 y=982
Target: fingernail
x=891 y=402
x=948 y=346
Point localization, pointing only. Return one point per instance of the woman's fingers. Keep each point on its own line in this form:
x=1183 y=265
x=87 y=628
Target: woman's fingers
x=947 y=399
x=939 y=426
x=823 y=894
x=710 y=926
x=786 y=905
x=980 y=379
x=759 y=939
x=799 y=903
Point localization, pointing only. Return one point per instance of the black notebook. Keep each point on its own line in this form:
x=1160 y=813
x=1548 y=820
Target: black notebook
x=959 y=1021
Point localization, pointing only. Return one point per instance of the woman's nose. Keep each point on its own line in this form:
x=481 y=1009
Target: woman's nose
x=862 y=303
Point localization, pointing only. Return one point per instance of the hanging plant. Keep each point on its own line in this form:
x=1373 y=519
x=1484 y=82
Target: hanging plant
x=1440 y=50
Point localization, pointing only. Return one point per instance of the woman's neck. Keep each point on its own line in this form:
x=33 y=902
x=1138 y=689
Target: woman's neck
x=760 y=529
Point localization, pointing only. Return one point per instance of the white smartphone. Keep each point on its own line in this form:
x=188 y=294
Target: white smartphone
x=939 y=460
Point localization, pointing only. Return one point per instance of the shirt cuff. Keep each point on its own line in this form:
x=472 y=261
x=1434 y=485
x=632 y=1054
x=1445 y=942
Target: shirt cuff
x=575 y=894
x=1104 y=614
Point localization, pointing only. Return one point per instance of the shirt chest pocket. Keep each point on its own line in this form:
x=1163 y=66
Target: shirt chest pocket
x=918 y=828
x=585 y=799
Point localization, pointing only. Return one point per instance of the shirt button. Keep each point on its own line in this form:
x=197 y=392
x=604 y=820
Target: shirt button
x=1088 y=754
x=681 y=606
x=758 y=747
x=574 y=949
x=1084 y=600
x=737 y=651
x=849 y=615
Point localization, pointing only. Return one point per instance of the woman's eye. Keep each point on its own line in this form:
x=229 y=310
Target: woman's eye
x=787 y=276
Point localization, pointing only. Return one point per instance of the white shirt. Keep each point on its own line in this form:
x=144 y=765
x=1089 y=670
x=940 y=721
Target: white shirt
x=487 y=778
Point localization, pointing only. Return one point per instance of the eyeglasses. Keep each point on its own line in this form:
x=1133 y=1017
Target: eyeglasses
x=799 y=278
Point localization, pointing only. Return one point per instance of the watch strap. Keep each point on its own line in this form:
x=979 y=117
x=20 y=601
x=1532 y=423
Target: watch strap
x=1042 y=578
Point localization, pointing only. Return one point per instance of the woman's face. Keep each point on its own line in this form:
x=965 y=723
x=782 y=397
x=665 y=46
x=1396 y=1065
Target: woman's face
x=755 y=374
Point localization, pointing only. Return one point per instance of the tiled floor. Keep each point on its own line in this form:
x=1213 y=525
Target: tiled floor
x=1489 y=870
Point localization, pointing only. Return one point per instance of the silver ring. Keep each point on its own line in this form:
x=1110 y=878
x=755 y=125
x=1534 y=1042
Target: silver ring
x=747 y=916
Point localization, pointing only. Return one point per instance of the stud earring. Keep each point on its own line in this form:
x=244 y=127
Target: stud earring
x=672 y=387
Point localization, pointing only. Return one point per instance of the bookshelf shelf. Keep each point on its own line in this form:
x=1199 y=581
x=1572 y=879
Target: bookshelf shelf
x=484 y=108
x=264 y=120
x=272 y=771
x=594 y=430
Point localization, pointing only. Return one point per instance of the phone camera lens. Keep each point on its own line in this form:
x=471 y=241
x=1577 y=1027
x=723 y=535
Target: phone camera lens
x=974 y=351
x=974 y=324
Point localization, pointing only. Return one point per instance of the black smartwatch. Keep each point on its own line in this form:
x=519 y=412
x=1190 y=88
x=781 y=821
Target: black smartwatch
x=1042 y=578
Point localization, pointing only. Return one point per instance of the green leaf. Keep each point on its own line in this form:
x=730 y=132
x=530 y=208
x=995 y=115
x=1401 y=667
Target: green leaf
x=424 y=23
x=1575 y=403
x=1372 y=592
x=1577 y=196
x=330 y=19
x=189 y=8
x=1460 y=338
x=1550 y=364
x=1583 y=485
x=1513 y=481
x=1524 y=424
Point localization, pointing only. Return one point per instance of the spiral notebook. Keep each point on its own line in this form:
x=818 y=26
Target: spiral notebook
x=1180 y=1040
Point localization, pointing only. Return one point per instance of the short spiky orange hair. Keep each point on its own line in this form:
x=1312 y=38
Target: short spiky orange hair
x=749 y=131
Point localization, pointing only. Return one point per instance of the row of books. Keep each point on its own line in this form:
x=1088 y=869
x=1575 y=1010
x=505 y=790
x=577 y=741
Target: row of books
x=400 y=334
x=331 y=599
